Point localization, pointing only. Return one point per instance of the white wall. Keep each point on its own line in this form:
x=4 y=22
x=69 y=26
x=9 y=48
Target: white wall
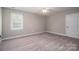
x=56 y=22
x=0 y=22
x=35 y=23
x=32 y=23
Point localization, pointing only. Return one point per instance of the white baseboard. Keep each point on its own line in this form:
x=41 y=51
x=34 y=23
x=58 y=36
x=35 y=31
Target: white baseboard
x=62 y=34
x=18 y=36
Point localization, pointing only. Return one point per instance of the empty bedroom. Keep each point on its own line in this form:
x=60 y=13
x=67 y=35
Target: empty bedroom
x=39 y=28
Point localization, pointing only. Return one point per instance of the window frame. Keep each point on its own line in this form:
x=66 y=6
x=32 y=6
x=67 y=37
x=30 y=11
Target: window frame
x=17 y=16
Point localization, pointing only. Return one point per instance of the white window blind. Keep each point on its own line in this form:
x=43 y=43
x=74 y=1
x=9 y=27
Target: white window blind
x=16 y=21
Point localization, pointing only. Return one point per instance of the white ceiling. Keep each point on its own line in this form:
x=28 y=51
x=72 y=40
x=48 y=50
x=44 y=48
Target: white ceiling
x=38 y=10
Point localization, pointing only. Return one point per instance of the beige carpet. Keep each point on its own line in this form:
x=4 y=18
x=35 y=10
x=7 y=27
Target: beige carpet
x=41 y=42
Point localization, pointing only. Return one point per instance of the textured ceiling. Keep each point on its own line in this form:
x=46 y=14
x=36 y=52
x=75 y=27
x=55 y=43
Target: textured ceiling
x=38 y=10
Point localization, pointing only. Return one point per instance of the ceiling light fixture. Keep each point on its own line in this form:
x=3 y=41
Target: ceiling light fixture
x=44 y=11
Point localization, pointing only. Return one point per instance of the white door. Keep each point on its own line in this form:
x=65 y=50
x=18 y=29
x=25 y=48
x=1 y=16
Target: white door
x=0 y=22
x=78 y=26
x=72 y=25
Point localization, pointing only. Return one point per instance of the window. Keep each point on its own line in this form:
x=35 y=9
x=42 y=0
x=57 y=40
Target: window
x=16 y=21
